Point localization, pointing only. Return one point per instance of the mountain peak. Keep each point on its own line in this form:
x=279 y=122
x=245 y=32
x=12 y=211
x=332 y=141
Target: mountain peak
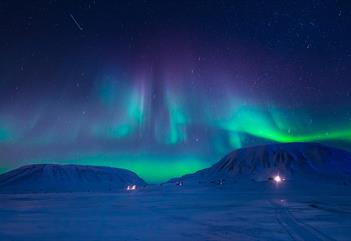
x=291 y=160
x=67 y=178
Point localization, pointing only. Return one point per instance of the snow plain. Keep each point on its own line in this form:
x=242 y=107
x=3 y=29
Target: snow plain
x=240 y=211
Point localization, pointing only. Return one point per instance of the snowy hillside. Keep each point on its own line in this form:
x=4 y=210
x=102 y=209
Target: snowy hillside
x=290 y=160
x=66 y=178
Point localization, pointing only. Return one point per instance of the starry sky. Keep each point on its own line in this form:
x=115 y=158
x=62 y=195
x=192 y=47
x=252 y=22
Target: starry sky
x=165 y=88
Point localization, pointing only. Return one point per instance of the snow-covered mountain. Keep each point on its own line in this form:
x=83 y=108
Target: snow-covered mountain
x=67 y=178
x=289 y=160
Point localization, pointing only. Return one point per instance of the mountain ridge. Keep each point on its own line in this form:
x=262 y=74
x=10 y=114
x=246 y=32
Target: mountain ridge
x=66 y=178
x=262 y=162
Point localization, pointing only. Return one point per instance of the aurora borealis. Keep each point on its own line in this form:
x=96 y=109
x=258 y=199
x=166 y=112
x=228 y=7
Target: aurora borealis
x=165 y=88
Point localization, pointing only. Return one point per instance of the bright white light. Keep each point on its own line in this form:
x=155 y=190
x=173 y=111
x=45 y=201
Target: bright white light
x=131 y=187
x=278 y=179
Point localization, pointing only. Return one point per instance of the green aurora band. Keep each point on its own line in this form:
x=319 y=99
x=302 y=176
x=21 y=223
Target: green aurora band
x=124 y=119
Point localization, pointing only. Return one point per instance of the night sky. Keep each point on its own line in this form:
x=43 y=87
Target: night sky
x=165 y=88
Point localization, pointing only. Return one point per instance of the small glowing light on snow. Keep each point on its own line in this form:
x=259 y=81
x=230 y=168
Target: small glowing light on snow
x=131 y=187
x=278 y=179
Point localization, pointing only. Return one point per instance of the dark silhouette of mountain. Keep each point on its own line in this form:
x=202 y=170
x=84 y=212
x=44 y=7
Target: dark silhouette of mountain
x=67 y=178
x=289 y=160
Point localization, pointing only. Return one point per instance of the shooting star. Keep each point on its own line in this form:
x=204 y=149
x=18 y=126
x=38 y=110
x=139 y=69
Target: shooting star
x=76 y=22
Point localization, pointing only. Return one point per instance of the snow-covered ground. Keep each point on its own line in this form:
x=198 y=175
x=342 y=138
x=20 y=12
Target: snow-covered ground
x=235 y=199
x=256 y=211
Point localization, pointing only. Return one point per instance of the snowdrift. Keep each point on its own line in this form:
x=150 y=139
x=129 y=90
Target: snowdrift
x=67 y=178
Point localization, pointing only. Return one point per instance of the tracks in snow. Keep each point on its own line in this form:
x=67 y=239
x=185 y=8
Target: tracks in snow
x=296 y=229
